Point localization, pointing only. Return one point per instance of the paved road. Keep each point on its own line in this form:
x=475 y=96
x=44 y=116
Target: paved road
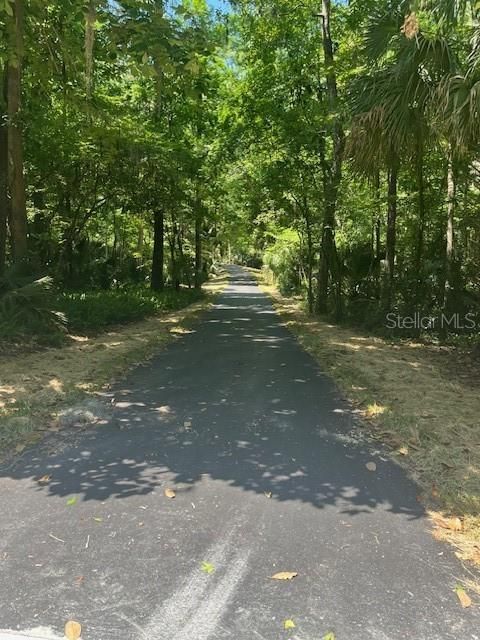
x=231 y=411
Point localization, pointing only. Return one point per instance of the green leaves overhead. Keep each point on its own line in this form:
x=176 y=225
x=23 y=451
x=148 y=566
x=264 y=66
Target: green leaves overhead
x=315 y=137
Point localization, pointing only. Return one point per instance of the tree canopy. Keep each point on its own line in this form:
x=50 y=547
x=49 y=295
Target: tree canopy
x=141 y=141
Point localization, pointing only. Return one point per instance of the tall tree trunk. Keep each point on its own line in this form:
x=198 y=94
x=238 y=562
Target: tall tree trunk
x=420 y=240
x=140 y=244
x=172 y=240
x=184 y=272
x=327 y=252
x=198 y=247
x=90 y=19
x=308 y=227
x=391 y=245
x=376 y=247
x=157 y=279
x=450 y=236
x=18 y=207
x=198 y=252
x=332 y=169
x=3 y=170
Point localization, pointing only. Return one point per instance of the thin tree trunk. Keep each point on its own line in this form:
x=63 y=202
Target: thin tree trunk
x=172 y=240
x=157 y=279
x=450 y=236
x=308 y=226
x=198 y=244
x=326 y=257
x=90 y=19
x=332 y=171
x=377 y=239
x=185 y=271
x=140 y=244
x=420 y=240
x=391 y=228
x=18 y=207
x=115 y=240
x=3 y=171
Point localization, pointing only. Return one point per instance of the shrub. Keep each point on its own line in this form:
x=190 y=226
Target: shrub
x=283 y=258
x=27 y=305
x=93 y=311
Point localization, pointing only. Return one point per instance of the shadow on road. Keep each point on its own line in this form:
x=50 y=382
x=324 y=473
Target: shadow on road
x=237 y=401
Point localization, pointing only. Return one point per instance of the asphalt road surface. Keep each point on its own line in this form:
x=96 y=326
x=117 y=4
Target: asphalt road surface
x=269 y=472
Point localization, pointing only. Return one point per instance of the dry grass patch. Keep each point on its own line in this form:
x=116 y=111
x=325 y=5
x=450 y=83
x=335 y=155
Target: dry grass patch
x=413 y=402
x=36 y=386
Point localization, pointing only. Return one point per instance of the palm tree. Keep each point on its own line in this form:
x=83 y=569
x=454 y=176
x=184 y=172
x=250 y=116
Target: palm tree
x=390 y=122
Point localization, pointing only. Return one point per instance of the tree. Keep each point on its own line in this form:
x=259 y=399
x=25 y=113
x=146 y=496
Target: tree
x=17 y=210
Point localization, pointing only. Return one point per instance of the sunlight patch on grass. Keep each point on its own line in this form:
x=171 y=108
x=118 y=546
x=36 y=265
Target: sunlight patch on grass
x=374 y=410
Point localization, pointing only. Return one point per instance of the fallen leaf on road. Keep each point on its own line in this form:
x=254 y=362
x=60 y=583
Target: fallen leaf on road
x=73 y=630
x=268 y=494
x=207 y=567
x=44 y=479
x=330 y=636
x=71 y=502
x=169 y=493
x=79 y=580
x=289 y=624
x=371 y=466
x=464 y=598
x=98 y=519
x=284 y=575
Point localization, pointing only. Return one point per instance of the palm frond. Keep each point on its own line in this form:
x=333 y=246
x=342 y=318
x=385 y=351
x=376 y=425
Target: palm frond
x=27 y=302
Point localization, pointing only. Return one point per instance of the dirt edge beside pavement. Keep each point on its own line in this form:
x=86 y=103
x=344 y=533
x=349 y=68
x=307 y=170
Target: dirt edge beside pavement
x=407 y=400
x=43 y=391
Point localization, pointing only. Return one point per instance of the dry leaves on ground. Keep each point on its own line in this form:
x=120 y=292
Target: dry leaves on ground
x=371 y=466
x=454 y=524
x=170 y=493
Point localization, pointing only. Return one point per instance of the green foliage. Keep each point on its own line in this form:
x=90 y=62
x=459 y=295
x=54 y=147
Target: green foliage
x=27 y=305
x=94 y=311
x=233 y=130
x=283 y=258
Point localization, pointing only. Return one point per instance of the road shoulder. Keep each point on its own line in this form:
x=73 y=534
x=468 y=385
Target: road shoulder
x=45 y=391
x=406 y=399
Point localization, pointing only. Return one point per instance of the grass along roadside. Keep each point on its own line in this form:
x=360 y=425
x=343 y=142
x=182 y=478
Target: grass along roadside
x=409 y=400
x=36 y=387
